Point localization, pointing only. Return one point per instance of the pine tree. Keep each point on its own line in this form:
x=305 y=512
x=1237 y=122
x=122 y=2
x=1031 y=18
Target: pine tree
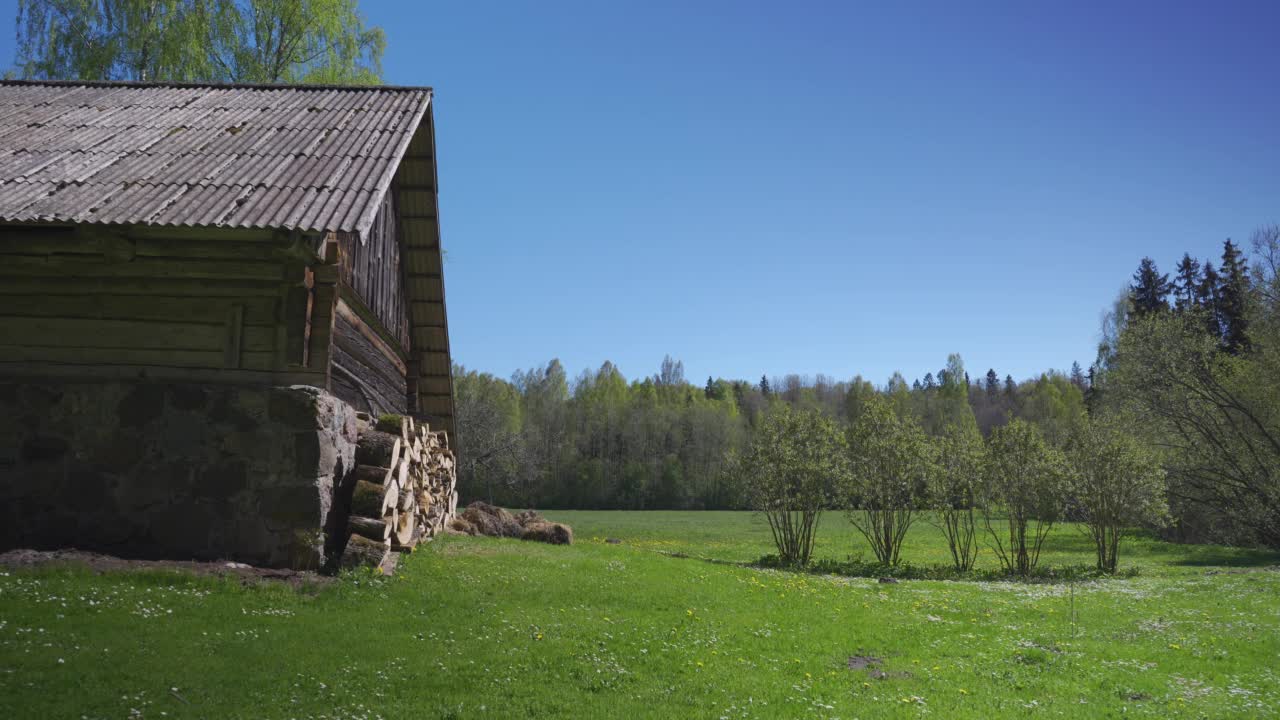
x=710 y=391
x=1077 y=376
x=993 y=384
x=1186 y=288
x=1091 y=393
x=1233 y=296
x=1208 y=299
x=764 y=386
x=929 y=384
x=1010 y=387
x=1149 y=292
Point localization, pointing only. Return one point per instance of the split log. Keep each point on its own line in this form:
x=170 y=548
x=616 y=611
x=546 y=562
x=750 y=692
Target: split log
x=371 y=500
x=371 y=473
x=373 y=528
x=405 y=527
x=375 y=448
x=363 y=552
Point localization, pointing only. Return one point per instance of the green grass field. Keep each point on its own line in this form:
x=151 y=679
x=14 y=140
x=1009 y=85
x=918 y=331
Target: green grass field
x=479 y=628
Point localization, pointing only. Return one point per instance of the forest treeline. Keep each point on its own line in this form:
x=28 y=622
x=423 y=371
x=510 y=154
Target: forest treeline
x=1190 y=363
x=600 y=441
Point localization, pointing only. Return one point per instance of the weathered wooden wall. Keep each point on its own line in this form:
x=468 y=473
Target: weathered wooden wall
x=373 y=270
x=371 y=323
x=367 y=371
x=220 y=305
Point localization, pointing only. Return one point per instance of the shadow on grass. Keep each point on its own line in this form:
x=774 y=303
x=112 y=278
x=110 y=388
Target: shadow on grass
x=1212 y=555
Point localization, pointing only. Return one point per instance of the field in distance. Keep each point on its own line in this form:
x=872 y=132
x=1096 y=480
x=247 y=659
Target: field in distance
x=614 y=626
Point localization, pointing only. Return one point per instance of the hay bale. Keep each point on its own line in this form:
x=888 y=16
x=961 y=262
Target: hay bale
x=528 y=517
x=549 y=532
x=460 y=526
x=492 y=521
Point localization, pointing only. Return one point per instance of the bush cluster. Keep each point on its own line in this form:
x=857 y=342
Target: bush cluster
x=885 y=473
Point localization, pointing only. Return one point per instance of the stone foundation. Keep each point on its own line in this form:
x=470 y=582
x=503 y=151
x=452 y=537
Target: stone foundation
x=172 y=471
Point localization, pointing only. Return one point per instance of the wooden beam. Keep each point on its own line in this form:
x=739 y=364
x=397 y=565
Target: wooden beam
x=97 y=370
x=235 y=335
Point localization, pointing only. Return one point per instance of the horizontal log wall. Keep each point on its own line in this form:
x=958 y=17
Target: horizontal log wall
x=97 y=302
x=366 y=370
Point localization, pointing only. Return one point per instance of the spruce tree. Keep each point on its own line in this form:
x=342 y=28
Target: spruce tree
x=1150 y=290
x=1077 y=376
x=993 y=384
x=710 y=391
x=1208 y=299
x=1091 y=393
x=1233 y=295
x=1010 y=387
x=1186 y=288
x=928 y=381
x=764 y=386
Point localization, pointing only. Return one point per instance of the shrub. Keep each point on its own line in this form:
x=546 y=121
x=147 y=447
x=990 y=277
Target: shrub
x=1117 y=484
x=790 y=469
x=954 y=492
x=889 y=462
x=1029 y=479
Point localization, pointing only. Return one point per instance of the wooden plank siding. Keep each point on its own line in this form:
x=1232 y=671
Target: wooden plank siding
x=97 y=302
x=373 y=269
x=430 y=372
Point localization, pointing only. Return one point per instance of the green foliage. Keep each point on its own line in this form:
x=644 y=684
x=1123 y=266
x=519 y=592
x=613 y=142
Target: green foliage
x=889 y=463
x=1150 y=290
x=1117 y=484
x=853 y=567
x=1029 y=479
x=1055 y=404
x=955 y=490
x=389 y=423
x=246 y=41
x=1217 y=417
x=792 y=470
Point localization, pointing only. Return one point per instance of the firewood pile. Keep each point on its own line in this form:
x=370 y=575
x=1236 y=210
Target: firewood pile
x=405 y=492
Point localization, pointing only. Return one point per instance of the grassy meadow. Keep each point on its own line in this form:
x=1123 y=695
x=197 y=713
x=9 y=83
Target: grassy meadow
x=481 y=628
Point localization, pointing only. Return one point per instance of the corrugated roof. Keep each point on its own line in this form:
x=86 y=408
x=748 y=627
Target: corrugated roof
x=310 y=158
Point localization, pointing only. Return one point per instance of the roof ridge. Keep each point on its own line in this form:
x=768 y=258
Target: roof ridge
x=216 y=85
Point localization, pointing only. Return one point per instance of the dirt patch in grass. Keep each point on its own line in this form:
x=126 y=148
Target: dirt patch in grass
x=871 y=664
x=101 y=563
x=862 y=662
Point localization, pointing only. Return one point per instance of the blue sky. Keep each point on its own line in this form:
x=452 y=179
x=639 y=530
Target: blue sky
x=828 y=187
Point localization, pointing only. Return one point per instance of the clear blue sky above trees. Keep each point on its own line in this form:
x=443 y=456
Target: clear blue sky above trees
x=818 y=187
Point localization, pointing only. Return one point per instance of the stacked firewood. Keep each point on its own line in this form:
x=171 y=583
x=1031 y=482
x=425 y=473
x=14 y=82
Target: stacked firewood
x=405 y=491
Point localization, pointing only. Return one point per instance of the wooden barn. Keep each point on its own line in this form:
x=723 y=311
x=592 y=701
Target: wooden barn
x=173 y=258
